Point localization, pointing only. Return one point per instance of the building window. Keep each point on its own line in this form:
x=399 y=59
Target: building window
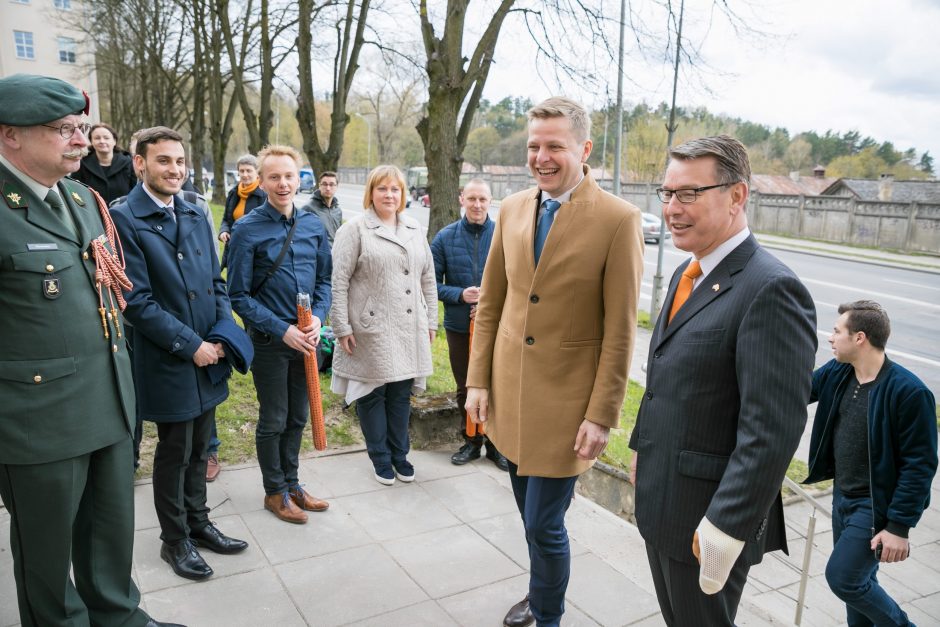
x=67 y=48
x=24 y=44
x=65 y=5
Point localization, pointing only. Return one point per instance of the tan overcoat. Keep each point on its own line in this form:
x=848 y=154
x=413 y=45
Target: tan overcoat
x=553 y=345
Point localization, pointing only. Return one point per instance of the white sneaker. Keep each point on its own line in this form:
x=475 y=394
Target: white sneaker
x=384 y=480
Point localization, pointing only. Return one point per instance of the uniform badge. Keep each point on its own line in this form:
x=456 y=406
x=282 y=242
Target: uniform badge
x=78 y=199
x=14 y=198
x=50 y=288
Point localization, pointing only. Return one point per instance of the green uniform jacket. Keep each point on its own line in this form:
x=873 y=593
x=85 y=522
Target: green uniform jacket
x=65 y=390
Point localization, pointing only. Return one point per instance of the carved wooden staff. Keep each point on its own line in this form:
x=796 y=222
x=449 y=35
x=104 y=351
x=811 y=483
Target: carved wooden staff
x=317 y=425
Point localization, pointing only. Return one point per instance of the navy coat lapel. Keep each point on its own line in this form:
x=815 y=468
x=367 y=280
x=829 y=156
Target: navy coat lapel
x=187 y=220
x=154 y=216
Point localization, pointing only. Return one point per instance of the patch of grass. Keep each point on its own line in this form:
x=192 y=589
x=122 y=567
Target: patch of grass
x=618 y=453
x=643 y=320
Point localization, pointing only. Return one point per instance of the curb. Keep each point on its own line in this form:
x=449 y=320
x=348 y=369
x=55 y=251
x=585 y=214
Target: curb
x=868 y=260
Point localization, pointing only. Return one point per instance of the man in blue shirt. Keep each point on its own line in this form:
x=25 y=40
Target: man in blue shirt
x=275 y=253
x=460 y=251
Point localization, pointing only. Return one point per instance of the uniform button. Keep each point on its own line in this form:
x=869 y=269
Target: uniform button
x=85 y=255
x=37 y=379
x=192 y=295
x=533 y=299
x=409 y=311
x=49 y=267
x=406 y=271
x=530 y=341
x=114 y=348
x=179 y=256
x=649 y=395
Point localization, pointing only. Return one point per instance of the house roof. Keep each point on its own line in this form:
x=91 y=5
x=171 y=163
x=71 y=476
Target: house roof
x=901 y=191
x=781 y=184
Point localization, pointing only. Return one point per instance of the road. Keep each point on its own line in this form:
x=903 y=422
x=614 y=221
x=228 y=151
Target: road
x=912 y=298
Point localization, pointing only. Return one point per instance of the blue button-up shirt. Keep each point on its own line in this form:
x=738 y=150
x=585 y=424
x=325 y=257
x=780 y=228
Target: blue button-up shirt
x=257 y=240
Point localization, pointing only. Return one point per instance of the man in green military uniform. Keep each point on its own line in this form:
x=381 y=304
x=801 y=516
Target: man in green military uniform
x=66 y=462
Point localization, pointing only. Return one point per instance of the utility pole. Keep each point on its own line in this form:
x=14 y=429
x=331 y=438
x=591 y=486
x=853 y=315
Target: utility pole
x=671 y=127
x=618 y=142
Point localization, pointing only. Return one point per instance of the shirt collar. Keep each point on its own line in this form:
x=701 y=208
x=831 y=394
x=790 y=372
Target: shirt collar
x=710 y=261
x=562 y=198
x=157 y=201
x=37 y=188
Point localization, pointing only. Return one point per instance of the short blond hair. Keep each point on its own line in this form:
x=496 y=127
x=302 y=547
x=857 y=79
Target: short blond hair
x=278 y=150
x=561 y=107
x=378 y=175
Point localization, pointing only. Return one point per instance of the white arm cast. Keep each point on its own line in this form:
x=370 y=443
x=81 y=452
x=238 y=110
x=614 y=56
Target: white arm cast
x=719 y=552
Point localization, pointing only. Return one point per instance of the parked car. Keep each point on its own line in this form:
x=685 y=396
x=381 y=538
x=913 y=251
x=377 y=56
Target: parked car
x=307 y=181
x=651 y=228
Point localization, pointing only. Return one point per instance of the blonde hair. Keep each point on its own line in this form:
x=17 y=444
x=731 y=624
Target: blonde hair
x=561 y=107
x=278 y=150
x=379 y=175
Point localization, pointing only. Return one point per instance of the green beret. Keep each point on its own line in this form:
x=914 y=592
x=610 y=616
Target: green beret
x=28 y=100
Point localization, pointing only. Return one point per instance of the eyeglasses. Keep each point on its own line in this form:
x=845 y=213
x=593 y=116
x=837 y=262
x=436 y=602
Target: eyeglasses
x=67 y=130
x=324 y=184
x=685 y=195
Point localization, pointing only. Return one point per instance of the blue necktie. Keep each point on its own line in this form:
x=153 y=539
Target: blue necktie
x=545 y=223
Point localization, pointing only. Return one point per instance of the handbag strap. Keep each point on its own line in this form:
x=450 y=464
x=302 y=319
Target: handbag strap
x=280 y=257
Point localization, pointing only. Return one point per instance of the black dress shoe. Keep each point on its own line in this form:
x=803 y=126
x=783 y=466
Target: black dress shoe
x=519 y=615
x=496 y=457
x=467 y=453
x=209 y=537
x=185 y=560
x=153 y=623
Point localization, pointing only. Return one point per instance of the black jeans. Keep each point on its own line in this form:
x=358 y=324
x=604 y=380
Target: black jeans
x=281 y=384
x=384 y=414
x=179 y=476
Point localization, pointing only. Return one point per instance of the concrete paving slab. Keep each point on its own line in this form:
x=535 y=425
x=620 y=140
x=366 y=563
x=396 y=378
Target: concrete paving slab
x=775 y=571
x=348 y=586
x=395 y=513
x=431 y=465
x=145 y=515
x=345 y=474
x=929 y=606
x=819 y=598
x=506 y=534
x=243 y=488
x=252 y=598
x=427 y=614
x=927 y=554
x=9 y=611
x=487 y=605
x=325 y=532
x=448 y=561
x=606 y=595
x=472 y=496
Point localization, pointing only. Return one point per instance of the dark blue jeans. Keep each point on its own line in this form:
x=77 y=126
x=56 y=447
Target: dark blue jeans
x=852 y=568
x=384 y=414
x=543 y=502
x=281 y=385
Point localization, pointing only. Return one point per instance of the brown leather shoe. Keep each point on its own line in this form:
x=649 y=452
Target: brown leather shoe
x=305 y=500
x=519 y=615
x=213 y=468
x=283 y=507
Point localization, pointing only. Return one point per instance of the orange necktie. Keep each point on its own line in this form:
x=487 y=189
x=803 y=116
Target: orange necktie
x=685 y=287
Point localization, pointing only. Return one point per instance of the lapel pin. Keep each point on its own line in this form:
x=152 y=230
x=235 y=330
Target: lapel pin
x=78 y=199
x=14 y=198
x=716 y=287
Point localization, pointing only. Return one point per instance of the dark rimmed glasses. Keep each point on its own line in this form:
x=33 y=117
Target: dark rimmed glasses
x=685 y=196
x=67 y=130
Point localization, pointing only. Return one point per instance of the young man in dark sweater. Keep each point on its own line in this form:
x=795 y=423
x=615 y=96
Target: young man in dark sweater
x=875 y=433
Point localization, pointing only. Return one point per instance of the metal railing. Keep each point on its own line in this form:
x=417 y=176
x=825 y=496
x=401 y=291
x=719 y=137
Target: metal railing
x=808 y=546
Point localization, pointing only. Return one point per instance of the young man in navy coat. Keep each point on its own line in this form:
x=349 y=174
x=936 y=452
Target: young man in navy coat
x=177 y=299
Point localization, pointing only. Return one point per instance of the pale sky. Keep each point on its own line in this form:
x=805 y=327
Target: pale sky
x=866 y=65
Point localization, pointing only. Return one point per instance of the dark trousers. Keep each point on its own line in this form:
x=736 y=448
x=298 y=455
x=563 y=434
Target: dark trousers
x=179 y=476
x=458 y=347
x=384 y=414
x=681 y=599
x=281 y=384
x=543 y=502
x=76 y=512
x=852 y=569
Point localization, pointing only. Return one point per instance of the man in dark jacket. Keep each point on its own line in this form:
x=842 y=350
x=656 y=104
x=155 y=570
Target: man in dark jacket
x=875 y=434
x=177 y=299
x=460 y=251
x=325 y=205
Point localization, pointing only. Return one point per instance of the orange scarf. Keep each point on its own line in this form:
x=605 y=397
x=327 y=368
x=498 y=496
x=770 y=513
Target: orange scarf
x=244 y=191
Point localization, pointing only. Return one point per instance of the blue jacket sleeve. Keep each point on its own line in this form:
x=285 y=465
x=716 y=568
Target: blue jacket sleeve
x=241 y=256
x=449 y=294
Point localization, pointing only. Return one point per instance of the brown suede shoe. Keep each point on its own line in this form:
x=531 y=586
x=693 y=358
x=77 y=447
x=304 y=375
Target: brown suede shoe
x=305 y=500
x=213 y=468
x=283 y=507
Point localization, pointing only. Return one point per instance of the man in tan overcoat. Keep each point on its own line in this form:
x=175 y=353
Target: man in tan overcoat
x=553 y=338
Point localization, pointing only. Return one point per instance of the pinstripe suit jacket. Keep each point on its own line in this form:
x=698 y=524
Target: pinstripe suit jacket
x=728 y=381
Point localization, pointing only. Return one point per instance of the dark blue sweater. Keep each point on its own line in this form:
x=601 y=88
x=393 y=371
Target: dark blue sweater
x=459 y=251
x=902 y=436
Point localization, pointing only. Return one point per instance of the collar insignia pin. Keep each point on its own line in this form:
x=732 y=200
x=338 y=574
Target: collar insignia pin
x=14 y=198
x=78 y=199
x=716 y=287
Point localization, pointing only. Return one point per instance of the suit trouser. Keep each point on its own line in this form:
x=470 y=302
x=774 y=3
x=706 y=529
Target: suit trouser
x=179 y=476
x=543 y=502
x=78 y=512
x=681 y=599
x=284 y=407
x=458 y=349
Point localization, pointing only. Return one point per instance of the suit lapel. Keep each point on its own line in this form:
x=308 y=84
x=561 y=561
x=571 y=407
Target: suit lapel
x=155 y=217
x=186 y=221
x=78 y=214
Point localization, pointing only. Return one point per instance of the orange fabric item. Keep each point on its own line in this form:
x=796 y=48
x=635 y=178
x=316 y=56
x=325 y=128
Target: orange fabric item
x=317 y=425
x=473 y=429
x=243 y=192
x=684 y=290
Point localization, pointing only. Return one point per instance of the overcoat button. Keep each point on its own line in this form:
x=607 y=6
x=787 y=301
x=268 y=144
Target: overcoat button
x=649 y=395
x=406 y=271
x=159 y=227
x=114 y=348
x=530 y=341
x=179 y=256
x=37 y=379
x=533 y=299
x=409 y=311
x=192 y=295
x=407 y=291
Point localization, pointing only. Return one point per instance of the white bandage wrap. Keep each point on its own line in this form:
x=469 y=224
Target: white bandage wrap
x=718 y=552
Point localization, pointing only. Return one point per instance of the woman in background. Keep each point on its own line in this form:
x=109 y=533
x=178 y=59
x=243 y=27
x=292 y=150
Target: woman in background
x=106 y=169
x=242 y=198
x=384 y=316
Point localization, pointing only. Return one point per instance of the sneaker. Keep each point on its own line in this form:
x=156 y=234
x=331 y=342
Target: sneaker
x=405 y=471
x=213 y=468
x=385 y=475
x=467 y=453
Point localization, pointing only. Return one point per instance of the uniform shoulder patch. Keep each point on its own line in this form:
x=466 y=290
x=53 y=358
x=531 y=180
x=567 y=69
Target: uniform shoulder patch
x=13 y=195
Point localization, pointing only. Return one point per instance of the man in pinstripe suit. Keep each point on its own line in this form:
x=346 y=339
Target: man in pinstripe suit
x=728 y=379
